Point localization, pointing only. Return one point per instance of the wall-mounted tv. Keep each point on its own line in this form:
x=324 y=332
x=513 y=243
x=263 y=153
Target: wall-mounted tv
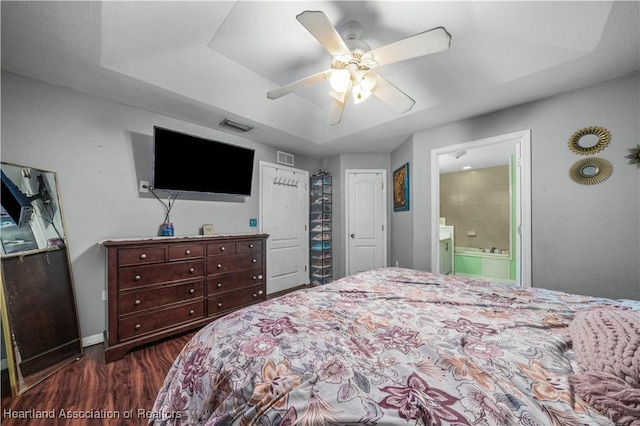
x=15 y=203
x=189 y=163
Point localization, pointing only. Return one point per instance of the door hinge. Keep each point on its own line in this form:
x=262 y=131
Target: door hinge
x=382 y=228
x=305 y=268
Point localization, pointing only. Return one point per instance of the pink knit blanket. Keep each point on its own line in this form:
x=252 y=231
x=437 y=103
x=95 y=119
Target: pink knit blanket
x=607 y=349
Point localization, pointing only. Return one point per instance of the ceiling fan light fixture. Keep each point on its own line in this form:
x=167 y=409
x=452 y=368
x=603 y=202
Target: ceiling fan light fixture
x=338 y=96
x=352 y=59
x=360 y=95
x=357 y=45
x=367 y=80
x=340 y=80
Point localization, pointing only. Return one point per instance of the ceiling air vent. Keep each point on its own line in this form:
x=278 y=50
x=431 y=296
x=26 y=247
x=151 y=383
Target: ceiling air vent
x=235 y=125
x=284 y=158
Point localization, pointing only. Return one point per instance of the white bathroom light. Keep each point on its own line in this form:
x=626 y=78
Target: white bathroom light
x=466 y=167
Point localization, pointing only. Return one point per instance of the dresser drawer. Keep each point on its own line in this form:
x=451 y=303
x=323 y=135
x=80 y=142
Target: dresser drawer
x=249 y=246
x=147 y=323
x=140 y=276
x=219 y=304
x=138 y=301
x=184 y=252
x=219 y=265
x=219 y=248
x=161 y=287
x=141 y=255
x=228 y=282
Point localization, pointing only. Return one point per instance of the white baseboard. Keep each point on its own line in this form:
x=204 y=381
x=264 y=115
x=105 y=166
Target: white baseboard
x=92 y=340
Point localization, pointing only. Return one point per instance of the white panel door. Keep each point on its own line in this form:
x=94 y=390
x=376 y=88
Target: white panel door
x=366 y=219
x=284 y=214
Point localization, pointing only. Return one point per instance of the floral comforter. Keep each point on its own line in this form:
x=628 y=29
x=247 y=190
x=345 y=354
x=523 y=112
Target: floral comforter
x=385 y=347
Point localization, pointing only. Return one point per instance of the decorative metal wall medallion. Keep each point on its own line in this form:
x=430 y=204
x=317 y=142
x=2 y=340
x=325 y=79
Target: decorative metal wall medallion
x=634 y=156
x=590 y=171
x=581 y=141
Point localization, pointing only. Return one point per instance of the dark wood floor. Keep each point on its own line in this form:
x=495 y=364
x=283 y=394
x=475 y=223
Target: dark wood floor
x=91 y=387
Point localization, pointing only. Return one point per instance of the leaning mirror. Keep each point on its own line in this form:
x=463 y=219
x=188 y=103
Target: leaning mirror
x=39 y=316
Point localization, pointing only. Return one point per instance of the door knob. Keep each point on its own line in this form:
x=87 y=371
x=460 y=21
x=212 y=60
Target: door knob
x=353 y=235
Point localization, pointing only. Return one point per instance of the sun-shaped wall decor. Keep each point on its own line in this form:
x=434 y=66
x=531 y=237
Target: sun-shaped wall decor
x=579 y=141
x=590 y=171
x=634 y=156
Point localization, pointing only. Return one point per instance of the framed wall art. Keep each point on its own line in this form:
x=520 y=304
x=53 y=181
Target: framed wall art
x=401 y=188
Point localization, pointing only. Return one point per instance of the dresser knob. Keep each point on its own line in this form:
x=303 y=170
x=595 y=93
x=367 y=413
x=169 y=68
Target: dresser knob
x=191 y=270
x=255 y=295
x=137 y=278
x=250 y=245
x=187 y=252
x=191 y=291
x=219 y=285
x=254 y=277
x=137 y=327
x=253 y=260
x=219 y=265
x=143 y=256
x=219 y=304
x=222 y=248
x=260 y=292
x=137 y=302
x=191 y=312
x=259 y=277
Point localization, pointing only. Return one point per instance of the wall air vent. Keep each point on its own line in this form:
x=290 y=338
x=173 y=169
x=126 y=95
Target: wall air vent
x=284 y=158
x=235 y=125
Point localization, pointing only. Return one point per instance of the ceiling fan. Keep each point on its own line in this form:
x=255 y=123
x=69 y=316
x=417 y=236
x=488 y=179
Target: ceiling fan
x=352 y=61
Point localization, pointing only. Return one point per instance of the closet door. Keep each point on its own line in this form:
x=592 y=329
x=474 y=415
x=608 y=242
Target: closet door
x=284 y=213
x=366 y=220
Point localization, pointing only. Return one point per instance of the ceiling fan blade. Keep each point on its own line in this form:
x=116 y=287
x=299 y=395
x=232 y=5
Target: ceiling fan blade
x=425 y=43
x=322 y=29
x=335 y=112
x=300 y=84
x=393 y=96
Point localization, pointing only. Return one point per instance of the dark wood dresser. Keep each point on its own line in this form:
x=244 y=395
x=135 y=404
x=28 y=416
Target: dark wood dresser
x=163 y=286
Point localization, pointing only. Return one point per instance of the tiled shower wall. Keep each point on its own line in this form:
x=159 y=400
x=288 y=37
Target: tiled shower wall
x=476 y=203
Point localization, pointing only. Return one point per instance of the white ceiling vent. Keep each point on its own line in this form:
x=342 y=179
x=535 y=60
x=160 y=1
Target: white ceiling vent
x=284 y=158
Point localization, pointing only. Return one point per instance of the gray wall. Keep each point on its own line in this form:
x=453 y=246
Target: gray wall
x=100 y=150
x=402 y=236
x=586 y=239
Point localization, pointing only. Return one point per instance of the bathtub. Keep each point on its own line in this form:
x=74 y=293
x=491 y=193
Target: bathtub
x=475 y=262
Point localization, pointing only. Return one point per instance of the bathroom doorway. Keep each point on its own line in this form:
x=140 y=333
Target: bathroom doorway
x=491 y=180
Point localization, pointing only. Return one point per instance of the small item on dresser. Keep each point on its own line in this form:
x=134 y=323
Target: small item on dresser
x=166 y=229
x=55 y=242
x=207 y=229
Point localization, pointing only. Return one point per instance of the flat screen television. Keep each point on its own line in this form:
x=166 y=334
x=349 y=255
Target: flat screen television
x=14 y=202
x=189 y=163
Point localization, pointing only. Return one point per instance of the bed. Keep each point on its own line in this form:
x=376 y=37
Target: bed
x=396 y=346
